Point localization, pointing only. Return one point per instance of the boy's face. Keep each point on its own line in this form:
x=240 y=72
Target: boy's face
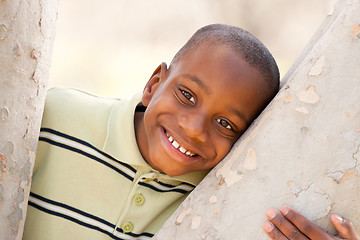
x=197 y=109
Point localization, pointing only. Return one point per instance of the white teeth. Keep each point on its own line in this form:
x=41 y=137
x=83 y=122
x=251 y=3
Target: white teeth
x=183 y=150
x=177 y=145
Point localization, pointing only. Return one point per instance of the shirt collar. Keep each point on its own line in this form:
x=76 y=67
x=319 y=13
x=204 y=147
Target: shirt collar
x=121 y=141
x=193 y=178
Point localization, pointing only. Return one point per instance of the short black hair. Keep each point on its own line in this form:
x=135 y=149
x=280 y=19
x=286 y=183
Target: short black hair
x=250 y=48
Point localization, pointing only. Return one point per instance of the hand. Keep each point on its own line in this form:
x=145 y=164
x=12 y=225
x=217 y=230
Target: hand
x=289 y=224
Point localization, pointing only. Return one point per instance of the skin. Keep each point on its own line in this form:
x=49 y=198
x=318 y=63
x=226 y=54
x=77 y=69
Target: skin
x=289 y=224
x=204 y=101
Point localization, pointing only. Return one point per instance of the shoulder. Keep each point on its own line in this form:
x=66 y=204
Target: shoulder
x=72 y=101
x=73 y=111
x=75 y=114
x=69 y=97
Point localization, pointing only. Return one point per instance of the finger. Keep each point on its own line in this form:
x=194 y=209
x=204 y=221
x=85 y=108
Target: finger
x=286 y=227
x=308 y=228
x=272 y=231
x=344 y=227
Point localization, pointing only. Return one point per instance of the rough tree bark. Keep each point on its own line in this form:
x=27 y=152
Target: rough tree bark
x=27 y=30
x=303 y=150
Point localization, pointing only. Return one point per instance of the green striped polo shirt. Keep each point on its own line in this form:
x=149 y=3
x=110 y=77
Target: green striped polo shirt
x=90 y=180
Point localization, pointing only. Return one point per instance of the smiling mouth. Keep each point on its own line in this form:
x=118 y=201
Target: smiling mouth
x=176 y=145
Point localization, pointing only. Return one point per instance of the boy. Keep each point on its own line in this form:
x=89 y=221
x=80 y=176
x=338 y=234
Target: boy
x=109 y=168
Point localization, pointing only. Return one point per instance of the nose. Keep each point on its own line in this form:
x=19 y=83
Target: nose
x=194 y=125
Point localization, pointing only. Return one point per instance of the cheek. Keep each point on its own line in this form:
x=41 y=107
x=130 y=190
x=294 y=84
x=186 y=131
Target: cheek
x=222 y=149
x=147 y=118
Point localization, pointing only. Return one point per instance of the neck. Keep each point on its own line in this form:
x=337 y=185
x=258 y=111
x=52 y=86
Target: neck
x=140 y=133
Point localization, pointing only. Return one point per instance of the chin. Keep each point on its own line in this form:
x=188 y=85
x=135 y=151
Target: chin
x=174 y=172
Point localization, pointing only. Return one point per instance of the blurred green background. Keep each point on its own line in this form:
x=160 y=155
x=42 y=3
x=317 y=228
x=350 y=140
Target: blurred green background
x=111 y=47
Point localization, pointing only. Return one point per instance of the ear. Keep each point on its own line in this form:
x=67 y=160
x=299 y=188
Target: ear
x=154 y=82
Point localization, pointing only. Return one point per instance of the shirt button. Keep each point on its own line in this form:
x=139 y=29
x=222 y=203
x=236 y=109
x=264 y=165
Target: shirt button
x=127 y=227
x=139 y=199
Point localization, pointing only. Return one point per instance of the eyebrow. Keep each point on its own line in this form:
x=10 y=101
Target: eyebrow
x=197 y=80
x=240 y=114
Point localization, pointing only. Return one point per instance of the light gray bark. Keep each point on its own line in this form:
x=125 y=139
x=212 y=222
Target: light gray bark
x=303 y=150
x=27 y=30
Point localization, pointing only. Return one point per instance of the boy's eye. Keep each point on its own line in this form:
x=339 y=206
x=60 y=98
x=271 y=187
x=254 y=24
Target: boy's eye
x=188 y=96
x=224 y=124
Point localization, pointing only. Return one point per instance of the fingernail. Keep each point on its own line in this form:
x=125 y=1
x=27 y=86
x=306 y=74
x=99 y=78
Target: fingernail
x=340 y=219
x=268 y=226
x=270 y=213
x=284 y=210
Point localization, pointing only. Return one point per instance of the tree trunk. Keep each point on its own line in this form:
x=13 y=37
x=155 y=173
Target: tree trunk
x=303 y=150
x=27 y=30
